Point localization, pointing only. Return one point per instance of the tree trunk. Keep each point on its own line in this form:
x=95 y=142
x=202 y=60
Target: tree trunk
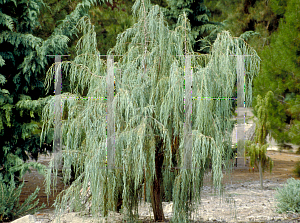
x=105 y=211
x=260 y=174
x=155 y=192
x=120 y=202
x=144 y=186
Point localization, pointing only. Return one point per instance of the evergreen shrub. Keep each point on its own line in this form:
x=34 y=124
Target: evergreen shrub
x=289 y=197
x=10 y=208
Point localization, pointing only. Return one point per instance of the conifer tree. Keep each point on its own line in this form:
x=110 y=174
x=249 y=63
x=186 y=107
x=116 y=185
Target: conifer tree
x=203 y=32
x=149 y=115
x=20 y=79
x=23 y=61
x=280 y=74
x=257 y=150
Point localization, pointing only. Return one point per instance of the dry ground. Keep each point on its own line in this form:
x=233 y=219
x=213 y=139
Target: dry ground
x=284 y=163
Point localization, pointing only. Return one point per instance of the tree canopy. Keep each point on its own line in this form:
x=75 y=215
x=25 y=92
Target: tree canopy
x=149 y=114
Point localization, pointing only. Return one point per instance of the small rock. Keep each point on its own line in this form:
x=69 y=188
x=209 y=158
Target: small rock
x=26 y=219
x=168 y=208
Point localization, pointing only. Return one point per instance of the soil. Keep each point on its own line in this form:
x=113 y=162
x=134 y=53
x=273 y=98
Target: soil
x=34 y=179
x=243 y=187
x=284 y=164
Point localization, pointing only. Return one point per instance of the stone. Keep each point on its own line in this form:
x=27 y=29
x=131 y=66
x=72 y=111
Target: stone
x=25 y=219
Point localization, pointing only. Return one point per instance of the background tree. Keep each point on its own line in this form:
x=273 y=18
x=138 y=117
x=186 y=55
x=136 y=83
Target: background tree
x=21 y=75
x=258 y=16
x=149 y=115
x=203 y=32
x=280 y=74
x=20 y=82
x=109 y=19
x=23 y=61
x=257 y=150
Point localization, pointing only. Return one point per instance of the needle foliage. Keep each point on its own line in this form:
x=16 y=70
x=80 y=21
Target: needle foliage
x=149 y=115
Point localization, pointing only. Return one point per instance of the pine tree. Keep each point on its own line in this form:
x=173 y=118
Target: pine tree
x=280 y=74
x=149 y=115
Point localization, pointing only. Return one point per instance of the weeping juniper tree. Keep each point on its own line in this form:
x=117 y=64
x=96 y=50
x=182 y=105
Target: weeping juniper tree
x=149 y=116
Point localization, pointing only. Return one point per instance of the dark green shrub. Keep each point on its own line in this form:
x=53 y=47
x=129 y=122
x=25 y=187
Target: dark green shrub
x=284 y=146
x=298 y=150
x=10 y=208
x=289 y=197
x=297 y=169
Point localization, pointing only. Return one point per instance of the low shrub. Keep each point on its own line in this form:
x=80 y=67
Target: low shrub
x=297 y=169
x=10 y=208
x=289 y=197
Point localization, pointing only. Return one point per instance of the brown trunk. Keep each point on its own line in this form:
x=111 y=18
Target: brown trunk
x=120 y=202
x=105 y=211
x=144 y=186
x=260 y=175
x=156 y=199
x=162 y=193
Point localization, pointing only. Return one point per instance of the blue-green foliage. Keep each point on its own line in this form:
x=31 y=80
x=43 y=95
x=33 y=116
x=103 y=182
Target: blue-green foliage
x=289 y=197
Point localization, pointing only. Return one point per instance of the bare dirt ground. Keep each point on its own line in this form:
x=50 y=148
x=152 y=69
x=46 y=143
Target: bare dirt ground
x=243 y=190
x=284 y=163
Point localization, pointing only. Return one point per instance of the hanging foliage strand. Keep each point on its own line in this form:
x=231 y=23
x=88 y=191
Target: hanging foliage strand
x=149 y=116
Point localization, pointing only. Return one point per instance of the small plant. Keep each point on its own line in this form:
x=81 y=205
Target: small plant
x=297 y=169
x=257 y=149
x=298 y=150
x=10 y=208
x=288 y=197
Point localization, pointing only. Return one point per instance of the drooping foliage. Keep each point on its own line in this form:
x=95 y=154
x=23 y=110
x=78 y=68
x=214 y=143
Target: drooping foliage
x=204 y=28
x=149 y=115
x=257 y=149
